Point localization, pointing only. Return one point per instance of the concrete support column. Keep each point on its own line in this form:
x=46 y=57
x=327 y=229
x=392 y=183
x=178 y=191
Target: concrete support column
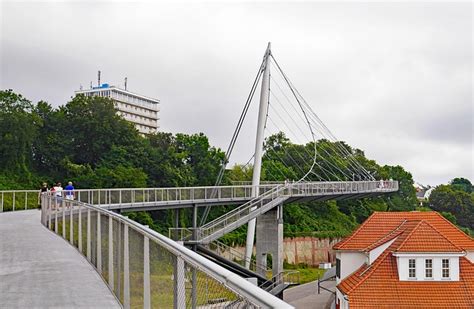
x=270 y=240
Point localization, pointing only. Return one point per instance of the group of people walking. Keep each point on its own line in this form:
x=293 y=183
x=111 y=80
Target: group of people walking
x=58 y=191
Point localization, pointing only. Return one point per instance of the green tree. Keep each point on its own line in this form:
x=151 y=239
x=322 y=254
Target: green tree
x=204 y=160
x=18 y=130
x=50 y=148
x=405 y=199
x=446 y=198
x=462 y=184
x=93 y=128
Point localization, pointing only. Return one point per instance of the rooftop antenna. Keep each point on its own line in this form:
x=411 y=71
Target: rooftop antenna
x=91 y=84
x=98 y=78
x=125 y=83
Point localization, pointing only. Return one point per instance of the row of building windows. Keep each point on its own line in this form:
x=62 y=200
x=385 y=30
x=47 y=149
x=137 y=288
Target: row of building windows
x=138 y=109
x=133 y=99
x=139 y=118
x=428 y=268
x=104 y=94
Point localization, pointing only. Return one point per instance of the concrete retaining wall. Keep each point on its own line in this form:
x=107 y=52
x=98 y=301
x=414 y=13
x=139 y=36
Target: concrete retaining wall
x=307 y=250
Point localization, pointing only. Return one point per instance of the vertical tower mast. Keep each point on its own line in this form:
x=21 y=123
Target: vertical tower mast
x=257 y=164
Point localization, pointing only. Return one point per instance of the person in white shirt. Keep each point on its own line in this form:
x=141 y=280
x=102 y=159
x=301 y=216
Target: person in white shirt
x=58 y=192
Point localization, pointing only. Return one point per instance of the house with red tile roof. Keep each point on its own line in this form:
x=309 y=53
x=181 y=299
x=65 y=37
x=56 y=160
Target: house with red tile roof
x=405 y=260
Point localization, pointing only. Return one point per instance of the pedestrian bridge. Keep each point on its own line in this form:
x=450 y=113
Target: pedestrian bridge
x=187 y=197
x=106 y=260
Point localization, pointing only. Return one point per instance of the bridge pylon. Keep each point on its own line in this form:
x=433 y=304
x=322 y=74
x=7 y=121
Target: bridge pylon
x=259 y=139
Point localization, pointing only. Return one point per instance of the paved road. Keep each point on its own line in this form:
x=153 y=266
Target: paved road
x=41 y=270
x=306 y=295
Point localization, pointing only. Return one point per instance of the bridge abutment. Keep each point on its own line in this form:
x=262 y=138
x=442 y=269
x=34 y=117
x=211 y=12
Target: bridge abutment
x=270 y=240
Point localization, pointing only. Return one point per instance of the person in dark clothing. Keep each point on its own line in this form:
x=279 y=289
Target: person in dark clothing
x=43 y=190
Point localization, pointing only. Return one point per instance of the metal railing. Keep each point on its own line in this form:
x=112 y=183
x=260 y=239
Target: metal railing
x=166 y=195
x=28 y=199
x=144 y=268
x=288 y=277
x=284 y=277
x=11 y=200
x=244 y=213
x=231 y=220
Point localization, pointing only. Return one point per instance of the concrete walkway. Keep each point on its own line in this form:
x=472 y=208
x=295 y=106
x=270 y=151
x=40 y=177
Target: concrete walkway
x=39 y=269
x=306 y=295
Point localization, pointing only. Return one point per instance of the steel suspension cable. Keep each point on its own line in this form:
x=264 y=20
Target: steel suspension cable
x=301 y=99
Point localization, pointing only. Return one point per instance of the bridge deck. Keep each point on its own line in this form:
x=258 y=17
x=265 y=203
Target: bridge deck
x=40 y=270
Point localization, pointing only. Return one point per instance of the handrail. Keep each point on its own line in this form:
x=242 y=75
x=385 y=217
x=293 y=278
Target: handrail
x=280 y=278
x=244 y=206
x=285 y=276
x=244 y=289
x=223 y=223
x=130 y=197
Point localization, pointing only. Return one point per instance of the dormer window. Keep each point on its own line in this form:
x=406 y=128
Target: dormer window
x=445 y=268
x=428 y=268
x=412 y=268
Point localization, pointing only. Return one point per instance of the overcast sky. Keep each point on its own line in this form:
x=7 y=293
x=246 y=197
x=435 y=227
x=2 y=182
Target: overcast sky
x=393 y=79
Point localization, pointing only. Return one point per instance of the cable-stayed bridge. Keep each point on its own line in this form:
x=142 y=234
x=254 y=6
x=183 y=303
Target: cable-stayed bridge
x=298 y=156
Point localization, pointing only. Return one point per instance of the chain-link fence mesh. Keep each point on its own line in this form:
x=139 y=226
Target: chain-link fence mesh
x=93 y=236
x=104 y=233
x=136 y=268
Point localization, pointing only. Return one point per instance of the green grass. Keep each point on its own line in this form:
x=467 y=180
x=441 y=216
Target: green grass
x=307 y=274
x=310 y=274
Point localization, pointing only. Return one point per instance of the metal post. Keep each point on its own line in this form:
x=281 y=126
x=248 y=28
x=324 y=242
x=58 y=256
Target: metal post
x=146 y=273
x=111 y=253
x=126 y=270
x=13 y=200
x=49 y=211
x=194 y=273
x=71 y=225
x=89 y=249
x=63 y=211
x=119 y=259
x=257 y=165
x=55 y=217
x=79 y=229
x=99 y=245
x=26 y=200
x=1 y=209
x=180 y=289
x=175 y=270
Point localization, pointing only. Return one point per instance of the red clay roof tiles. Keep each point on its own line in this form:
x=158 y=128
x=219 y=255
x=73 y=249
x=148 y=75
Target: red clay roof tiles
x=380 y=224
x=378 y=285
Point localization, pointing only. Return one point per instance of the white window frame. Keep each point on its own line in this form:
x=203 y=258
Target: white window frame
x=445 y=268
x=411 y=268
x=430 y=269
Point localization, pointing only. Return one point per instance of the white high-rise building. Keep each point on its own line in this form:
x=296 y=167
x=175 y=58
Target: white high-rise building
x=142 y=111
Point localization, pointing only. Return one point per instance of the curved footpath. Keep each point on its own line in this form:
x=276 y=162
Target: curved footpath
x=41 y=270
